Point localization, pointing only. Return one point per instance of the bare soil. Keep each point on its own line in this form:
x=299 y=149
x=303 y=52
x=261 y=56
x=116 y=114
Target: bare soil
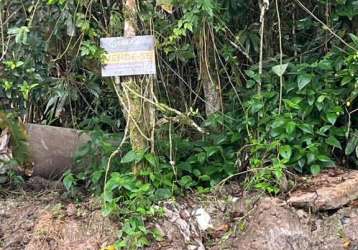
x=45 y=221
x=238 y=220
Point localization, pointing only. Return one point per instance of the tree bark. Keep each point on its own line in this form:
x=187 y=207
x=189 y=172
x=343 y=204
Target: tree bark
x=209 y=82
x=138 y=113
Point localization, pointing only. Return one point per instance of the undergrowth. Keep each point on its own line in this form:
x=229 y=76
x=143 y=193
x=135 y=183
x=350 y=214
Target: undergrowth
x=50 y=74
x=312 y=132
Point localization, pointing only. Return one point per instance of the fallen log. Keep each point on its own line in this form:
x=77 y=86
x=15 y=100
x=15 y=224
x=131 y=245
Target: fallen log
x=328 y=192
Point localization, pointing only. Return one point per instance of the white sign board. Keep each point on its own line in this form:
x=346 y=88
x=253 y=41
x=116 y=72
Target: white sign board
x=126 y=56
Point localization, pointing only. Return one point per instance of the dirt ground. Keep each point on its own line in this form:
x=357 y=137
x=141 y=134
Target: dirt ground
x=45 y=221
x=230 y=219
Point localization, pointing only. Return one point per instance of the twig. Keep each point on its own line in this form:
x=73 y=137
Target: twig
x=221 y=183
x=165 y=108
x=281 y=55
x=324 y=25
x=114 y=153
x=264 y=5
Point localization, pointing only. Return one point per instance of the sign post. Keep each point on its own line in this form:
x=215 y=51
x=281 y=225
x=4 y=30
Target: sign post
x=128 y=56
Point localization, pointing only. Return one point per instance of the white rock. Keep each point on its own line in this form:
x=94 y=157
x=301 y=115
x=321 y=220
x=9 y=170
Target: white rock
x=203 y=219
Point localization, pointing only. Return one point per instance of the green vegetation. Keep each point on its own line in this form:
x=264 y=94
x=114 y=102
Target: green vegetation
x=233 y=97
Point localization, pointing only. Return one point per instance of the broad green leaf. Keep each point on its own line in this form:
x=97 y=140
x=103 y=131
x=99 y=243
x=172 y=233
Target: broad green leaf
x=96 y=176
x=163 y=194
x=311 y=158
x=324 y=158
x=354 y=39
x=132 y=156
x=331 y=140
x=196 y=172
x=321 y=98
x=286 y=152
x=205 y=178
x=278 y=169
x=212 y=150
x=293 y=103
x=307 y=128
x=352 y=144
x=279 y=70
x=256 y=106
x=152 y=159
x=68 y=181
x=303 y=80
x=145 y=187
x=324 y=129
x=275 y=132
x=331 y=117
x=20 y=34
x=290 y=127
x=278 y=123
x=301 y=163
x=325 y=64
x=346 y=80
x=201 y=157
x=315 y=169
x=310 y=100
x=186 y=181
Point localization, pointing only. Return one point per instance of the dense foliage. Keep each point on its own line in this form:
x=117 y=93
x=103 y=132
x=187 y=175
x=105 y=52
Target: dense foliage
x=296 y=113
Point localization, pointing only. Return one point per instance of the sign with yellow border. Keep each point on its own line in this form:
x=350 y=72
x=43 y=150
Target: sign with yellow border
x=126 y=56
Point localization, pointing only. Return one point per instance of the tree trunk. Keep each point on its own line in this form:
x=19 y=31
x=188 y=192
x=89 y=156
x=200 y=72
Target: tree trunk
x=139 y=113
x=207 y=68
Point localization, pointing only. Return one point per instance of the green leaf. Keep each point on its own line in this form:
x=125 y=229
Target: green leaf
x=346 y=80
x=68 y=181
x=311 y=158
x=303 y=80
x=186 y=181
x=332 y=117
x=352 y=144
x=293 y=103
x=324 y=158
x=286 y=152
x=331 y=140
x=256 y=106
x=279 y=70
x=315 y=169
x=321 y=98
x=278 y=123
x=196 y=172
x=323 y=130
x=354 y=39
x=20 y=34
x=96 y=176
x=132 y=156
x=278 y=169
x=205 y=178
x=212 y=150
x=307 y=128
x=152 y=159
x=201 y=157
x=290 y=127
